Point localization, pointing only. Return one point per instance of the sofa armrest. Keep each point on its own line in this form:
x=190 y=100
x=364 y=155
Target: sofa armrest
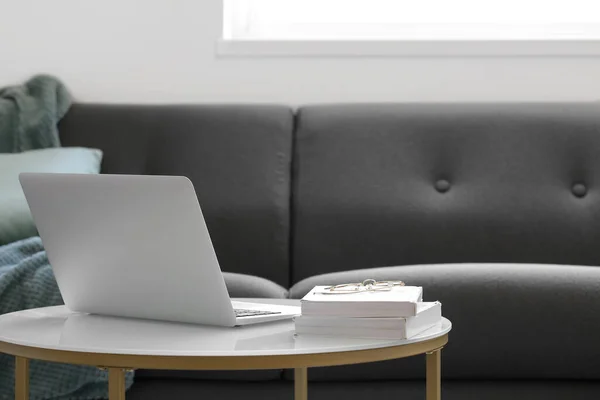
x=509 y=321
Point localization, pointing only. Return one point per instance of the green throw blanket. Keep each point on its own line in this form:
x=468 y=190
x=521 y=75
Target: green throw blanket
x=29 y=114
x=27 y=281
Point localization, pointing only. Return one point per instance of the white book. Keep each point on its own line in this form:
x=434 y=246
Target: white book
x=429 y=314
x=400 y=301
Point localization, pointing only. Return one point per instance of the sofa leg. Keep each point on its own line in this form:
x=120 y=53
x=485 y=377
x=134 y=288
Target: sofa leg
x=300 y=384
x=21 y=378
x=434 y=374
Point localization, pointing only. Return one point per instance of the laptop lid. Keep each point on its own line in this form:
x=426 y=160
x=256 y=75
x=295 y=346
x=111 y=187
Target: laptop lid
x=127 y=245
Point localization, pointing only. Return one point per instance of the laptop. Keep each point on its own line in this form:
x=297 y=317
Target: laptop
x=135 y=246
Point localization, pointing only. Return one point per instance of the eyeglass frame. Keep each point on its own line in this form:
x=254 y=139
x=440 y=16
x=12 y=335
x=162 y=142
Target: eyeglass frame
x=368 y=285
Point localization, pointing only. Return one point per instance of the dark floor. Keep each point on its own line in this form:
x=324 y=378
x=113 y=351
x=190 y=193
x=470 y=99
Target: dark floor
x=401 y=390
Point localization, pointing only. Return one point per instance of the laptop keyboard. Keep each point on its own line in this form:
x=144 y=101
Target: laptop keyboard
x=239 y=313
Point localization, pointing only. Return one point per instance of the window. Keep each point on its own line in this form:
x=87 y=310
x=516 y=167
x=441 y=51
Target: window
x=569 y=26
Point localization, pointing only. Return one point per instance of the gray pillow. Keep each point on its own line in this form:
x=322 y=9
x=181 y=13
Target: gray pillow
x=15 y=219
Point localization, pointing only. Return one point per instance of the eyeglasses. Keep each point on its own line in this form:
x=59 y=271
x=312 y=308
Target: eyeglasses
x=368 y=285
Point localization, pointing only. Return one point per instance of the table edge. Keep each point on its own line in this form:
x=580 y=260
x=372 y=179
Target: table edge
x=244 y=362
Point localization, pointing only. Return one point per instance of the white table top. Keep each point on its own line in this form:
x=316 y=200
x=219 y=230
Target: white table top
x=57 y=328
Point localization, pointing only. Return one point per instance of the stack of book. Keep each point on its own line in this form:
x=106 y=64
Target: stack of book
x=399 y=313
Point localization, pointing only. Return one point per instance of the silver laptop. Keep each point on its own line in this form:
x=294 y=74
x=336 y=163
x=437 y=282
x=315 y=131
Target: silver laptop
x=135 y=246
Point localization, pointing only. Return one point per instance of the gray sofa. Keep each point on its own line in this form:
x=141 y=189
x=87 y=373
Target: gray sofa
x=494 y=209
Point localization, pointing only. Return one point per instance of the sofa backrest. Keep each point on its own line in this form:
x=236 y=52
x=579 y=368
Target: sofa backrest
x=380 y=185
x=373 y=185
x=238 y=158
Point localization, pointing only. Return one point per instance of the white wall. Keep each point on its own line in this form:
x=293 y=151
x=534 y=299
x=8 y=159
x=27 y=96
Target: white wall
x=162 y=51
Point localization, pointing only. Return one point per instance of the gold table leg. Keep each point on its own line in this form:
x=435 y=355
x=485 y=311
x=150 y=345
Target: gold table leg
x=300 y=384
x=116 y=384
x=434 y=375
x=21 y=378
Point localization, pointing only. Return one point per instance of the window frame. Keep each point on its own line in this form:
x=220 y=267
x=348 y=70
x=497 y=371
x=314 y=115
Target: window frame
x=227 y=47
x=402 y=48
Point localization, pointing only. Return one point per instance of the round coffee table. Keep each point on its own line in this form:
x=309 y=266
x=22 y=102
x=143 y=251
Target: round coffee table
x=117 y=344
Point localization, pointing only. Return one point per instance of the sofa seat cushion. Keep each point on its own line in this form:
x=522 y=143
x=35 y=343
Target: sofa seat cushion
x=510 y=321
x=242 y=285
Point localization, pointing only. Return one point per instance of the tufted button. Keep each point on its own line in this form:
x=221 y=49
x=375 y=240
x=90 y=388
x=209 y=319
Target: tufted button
x=579 y=189
x=442 y=186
